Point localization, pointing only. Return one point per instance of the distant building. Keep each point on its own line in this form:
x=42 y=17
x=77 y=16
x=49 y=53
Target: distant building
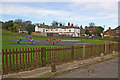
x=82 y=32
x=90 y=29
x=44 y=30
x=22 y=30
x=117 y=31
x=112 y=32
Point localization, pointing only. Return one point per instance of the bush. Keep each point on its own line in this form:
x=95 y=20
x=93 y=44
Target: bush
x=106 y=37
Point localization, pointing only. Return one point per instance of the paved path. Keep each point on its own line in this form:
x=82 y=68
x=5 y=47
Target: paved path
x=107 y=69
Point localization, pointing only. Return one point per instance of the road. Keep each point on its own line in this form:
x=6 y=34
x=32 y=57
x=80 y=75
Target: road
x=107 y=69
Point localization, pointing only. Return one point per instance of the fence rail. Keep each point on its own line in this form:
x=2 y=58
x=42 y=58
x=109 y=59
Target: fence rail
x=16 y=60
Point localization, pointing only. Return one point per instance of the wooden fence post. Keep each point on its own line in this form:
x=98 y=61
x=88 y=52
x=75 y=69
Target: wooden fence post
x=91 y=51
x=23 y=59
x=39 y=56
x=28 y=58
x=83 y=52
x=2 y=61
x=9 y=59
x=33 y=58
x=43 y=56
x=6 y=61
x=36 y=57
x=20 y=60
x=16 y=59
x=109 y=49
x=13 y=60
x=104 y=48
x=72 y=52
x=53 y=67
x=113 y=46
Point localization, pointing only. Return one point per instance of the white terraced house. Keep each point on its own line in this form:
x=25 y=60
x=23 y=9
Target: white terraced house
x=61 y=30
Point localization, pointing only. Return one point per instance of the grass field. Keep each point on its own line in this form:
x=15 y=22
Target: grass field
x=13 y=36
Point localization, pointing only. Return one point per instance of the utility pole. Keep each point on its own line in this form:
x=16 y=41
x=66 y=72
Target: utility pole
x=103 y=30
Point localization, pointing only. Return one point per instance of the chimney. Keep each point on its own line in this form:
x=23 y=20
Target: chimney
x=68 y=24
x=43 y=23
x=109 y=27
x=72 y=24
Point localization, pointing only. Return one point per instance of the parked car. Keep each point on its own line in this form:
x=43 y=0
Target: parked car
x=90 y=37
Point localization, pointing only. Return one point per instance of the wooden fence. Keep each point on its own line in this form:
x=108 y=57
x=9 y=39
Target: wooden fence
x=16 y=60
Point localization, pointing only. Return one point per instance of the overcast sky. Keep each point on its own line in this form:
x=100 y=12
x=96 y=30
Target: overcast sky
x=80 y=13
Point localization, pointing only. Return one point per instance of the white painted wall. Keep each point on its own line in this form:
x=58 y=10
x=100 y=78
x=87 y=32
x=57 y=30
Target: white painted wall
x=69 y=31
x=36 y=29
x=106 y=35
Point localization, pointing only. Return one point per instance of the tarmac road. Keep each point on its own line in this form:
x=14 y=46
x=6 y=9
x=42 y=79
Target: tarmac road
x=46 y=43
x=107 y=69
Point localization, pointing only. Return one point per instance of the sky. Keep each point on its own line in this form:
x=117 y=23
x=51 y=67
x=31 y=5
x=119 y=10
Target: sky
x=79 y=13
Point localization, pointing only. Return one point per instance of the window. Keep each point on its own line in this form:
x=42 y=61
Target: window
x=117 y=31
x=69 y=30
x=56 y=29
x=43 y=30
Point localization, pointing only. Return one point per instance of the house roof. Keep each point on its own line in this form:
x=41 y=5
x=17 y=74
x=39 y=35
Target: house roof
x=91 y=28
x=117 y=28
x=22 y=29
x=82 y=30
x=44 y=26
x=109 y=30
x=63 y=27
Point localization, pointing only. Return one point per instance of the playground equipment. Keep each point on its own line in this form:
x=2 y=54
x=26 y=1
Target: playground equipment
x=53 y=42
x=32 y=40
x=26 y=38
x=81 y=43
x=18 y=41
x=81 y=40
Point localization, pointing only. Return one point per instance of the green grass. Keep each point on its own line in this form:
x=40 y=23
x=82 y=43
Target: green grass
x=96 y=41
x=92 y=41
x=13 y=36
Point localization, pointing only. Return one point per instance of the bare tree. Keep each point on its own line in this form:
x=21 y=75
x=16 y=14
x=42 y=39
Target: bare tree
x=92 y=24
x=18 y=21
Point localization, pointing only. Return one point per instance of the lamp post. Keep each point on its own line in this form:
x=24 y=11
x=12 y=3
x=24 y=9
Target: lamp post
x=103 y=31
